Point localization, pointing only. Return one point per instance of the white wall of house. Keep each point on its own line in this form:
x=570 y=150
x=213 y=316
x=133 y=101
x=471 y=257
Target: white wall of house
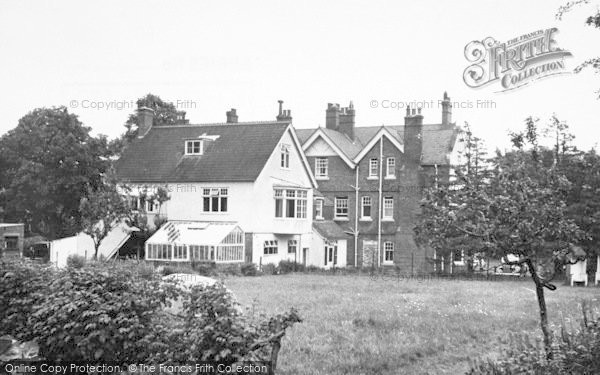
x=186 y=202
x=320 y=148
x=246 y=201
x=316 y=256
x=274 y=176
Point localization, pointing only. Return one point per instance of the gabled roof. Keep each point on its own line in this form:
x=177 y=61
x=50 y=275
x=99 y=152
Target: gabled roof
x=438 y=140
x=382 y=132
x=238 y=154
x=338 y=141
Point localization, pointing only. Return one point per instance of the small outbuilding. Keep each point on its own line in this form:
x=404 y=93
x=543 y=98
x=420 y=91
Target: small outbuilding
x=11 y=239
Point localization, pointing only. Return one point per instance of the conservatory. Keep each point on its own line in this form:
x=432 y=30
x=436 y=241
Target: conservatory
x=196 y=241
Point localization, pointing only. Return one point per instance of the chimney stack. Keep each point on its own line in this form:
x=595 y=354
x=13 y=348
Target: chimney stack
x=446 y=110
x=144 y=121
x=180 y=118
x=332 y=116
x=232 y=117
x=284 y=114
x=413 y=134
x=347 y=120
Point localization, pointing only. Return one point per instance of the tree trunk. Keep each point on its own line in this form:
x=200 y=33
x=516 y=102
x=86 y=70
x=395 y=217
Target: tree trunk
x=274 y=355
x=539 y=290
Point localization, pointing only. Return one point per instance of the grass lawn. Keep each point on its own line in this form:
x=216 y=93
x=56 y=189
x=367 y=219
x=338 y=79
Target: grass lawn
x=362 y=325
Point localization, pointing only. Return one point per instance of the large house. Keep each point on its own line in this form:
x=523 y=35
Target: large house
x=371 y=181
x=238 y=192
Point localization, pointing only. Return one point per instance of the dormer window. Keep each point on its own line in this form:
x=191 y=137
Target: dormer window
x=195 y=147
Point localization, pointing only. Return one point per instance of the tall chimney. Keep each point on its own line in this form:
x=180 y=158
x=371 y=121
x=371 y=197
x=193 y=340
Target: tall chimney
x=232 y=117
x=347 y=121
x=284 y=114
x=332 y=116
x=446 y=110
x=413 y=134
x=145 y=120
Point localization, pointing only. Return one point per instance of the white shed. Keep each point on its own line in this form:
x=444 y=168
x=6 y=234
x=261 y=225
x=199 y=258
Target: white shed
x=83 y=245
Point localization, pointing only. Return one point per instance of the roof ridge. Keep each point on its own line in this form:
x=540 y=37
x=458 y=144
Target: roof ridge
x=266 y=122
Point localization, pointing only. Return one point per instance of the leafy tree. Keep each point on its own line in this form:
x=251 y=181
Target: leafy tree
x=101 y=210
x=473 y=171
x=520 y=210
x=592 y=20
x=46 y=164
x=583 y=201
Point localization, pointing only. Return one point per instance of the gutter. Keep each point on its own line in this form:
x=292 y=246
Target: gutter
x=380 y=215
x=356 y=189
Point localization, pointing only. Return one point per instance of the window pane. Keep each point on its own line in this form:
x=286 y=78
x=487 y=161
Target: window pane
x=278 y=207
x=290 y=208
x=206 y=205
x=215 y=204
x=223 y=204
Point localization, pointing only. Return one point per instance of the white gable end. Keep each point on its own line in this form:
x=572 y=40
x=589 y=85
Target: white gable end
x=320 y=148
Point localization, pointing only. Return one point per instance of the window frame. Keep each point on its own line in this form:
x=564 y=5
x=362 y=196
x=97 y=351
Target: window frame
x=390 y=162
x=222 y=199
x=388 y=249
x=373 y=167
x=363 y=205
x=387 y=206
x=285 y=156
x=337 y=202
x=270 y=247
x=291 y=201
x=151 y=207
x=193 y=142
x=292 y=244
x=319 y=203
x=321 y=162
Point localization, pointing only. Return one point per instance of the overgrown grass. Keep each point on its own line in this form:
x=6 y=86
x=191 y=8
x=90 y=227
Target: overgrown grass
x=360 y=325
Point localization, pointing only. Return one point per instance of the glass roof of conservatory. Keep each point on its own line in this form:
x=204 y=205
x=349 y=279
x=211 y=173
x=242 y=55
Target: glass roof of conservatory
x=193 y=233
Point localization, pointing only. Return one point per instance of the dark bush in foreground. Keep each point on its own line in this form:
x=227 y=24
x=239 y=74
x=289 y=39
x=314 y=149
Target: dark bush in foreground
x=575 y=351
x=113 y=313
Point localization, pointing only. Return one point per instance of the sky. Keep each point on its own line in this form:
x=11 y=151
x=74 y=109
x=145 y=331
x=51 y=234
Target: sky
x=207 y=57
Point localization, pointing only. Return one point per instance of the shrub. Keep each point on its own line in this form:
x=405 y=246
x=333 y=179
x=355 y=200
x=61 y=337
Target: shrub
x=75 y=261
x=22 y=286
x=99 y=312
x=269 y=269
x=203 y=268
x=248 y=269
x=230 y=269
x=313 y=269
x=108 y=313
x=287 y=266
x=575 y=351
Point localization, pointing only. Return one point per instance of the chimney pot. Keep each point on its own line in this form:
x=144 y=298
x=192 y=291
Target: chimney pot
x=284 y=114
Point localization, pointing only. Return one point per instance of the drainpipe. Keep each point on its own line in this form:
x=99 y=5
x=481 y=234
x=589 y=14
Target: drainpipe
x=380 y=201
x=356 y=189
